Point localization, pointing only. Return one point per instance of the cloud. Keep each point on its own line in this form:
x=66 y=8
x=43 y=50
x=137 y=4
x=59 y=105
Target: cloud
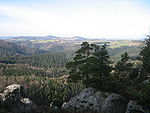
x=126 y=3
x=99 y=21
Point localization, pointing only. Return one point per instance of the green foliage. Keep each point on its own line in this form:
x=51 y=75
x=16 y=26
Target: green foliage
x=25 y=70
x=145 y=53
x=141 y=94
x=11 y=49
x=44 y=91
x=40 y=65
x=115 y=53
x=123 y=67
x=140 y=91
x=19 y=70
x=55 y=60
x=140 y=88
x=90 y=64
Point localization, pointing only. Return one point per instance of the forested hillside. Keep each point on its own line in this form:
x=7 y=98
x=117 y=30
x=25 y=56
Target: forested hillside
x=11 y=49
x=115 y=53
x=51 y=65
x=31 y=51
x=55 y=60
x=55 y=76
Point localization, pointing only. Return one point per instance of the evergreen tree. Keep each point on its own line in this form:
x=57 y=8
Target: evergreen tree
x=123 y=67
x=76 y=67
x=91 y=65
x=145 y=53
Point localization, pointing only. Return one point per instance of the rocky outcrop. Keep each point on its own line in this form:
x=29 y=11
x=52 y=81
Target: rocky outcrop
x=115 y=103
x=134 y=107
x=87 y=100
x=103 y=102
x=14 y=90
x=14 y=97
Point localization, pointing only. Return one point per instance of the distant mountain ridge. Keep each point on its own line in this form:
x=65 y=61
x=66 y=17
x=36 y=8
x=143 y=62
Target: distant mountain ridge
x=49 y=37
x=52 y=37
x=31 y=45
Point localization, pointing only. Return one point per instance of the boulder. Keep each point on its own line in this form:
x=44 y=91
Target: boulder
x=115 y=103
x=134 y=107
x=76 y=103
x=26 y=101
x=14 y=98
x=14 y=89
x=86 y=100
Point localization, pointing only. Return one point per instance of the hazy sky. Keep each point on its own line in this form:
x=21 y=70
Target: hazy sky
x=88 y=18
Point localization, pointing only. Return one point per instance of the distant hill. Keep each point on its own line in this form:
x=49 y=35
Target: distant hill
x=38 y=55
x=115 y=53
x=54 y=44
x=48 y=43
x=11 y=49
x=58 y=44
x=49 y=37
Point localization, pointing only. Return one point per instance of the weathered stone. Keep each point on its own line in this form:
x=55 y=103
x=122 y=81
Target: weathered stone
x=87 y=100
x=76 y=103
x=14 y=89
x=115 y=103
x=134 y=107
x=14 y=98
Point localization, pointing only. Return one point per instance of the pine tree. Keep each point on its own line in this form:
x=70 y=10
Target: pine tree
x=91 y=65
x=145 y=53
x=123 y=67
x=76 y=67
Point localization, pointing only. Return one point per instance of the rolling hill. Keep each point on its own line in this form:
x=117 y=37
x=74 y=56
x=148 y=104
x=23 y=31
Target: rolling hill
x=51 y=53
x=11 y=49
x=30 y=45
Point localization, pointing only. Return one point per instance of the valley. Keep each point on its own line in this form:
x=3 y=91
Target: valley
x=52 y=52
x=45 y=65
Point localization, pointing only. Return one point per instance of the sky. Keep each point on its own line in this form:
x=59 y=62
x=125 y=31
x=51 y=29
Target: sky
x=110 y=19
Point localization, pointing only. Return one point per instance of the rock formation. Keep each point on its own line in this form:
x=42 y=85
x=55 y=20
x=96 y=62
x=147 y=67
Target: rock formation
x=115 y=103
x=134 y=107
x=102 y=102
x=14 y=98
x=87 y=100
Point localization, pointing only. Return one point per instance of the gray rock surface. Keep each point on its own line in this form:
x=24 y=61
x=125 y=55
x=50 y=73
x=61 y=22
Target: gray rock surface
x=115 y=103
x=14 y=90
x=87 y=100
x=134 y=107
x=14 y=97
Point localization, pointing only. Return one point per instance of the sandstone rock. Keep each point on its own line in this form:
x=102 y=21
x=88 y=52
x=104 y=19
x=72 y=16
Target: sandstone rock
x=115 y=103
x=86 y=100
x=134 y=107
